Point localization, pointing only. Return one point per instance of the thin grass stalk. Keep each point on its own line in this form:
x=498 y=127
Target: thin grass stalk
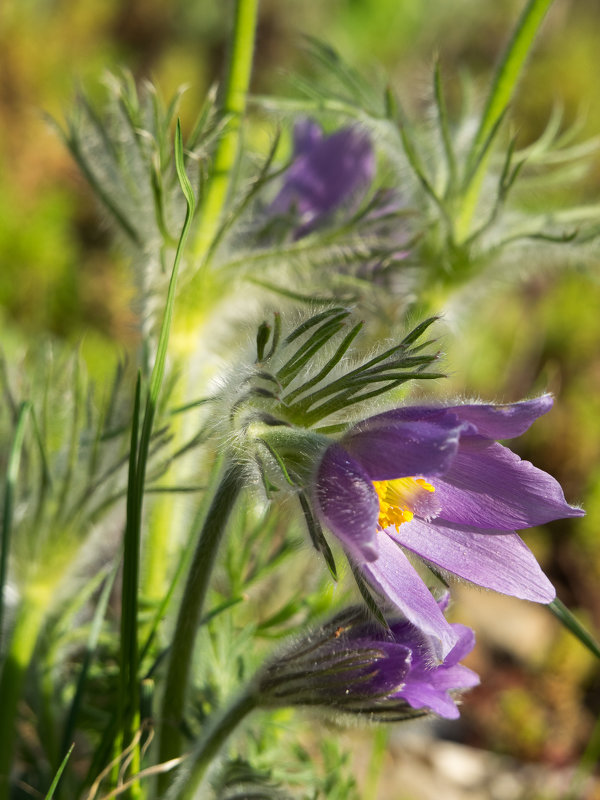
x=129 y=700
x=154 y=580
x=128 y=694
x=503 y=87
x=59 y=772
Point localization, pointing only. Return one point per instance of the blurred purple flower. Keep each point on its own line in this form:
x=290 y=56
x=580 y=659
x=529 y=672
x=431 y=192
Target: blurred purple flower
x=434 y=481
x=351 y=666
x=326 y=172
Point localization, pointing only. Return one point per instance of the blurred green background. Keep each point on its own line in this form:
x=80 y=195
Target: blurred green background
x=53 y=253
x=60 y=276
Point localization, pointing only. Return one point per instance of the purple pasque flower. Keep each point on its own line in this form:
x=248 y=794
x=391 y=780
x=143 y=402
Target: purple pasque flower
x=352 y=666
x=432 y=482
x=326 y=172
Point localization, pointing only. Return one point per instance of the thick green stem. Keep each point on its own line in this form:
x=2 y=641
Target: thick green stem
x=190 y=612
x=503 y=87
x=233 y=108
x=217 y=731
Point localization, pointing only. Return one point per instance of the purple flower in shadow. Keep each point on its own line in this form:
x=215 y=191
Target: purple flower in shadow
x=325 y=173
x=352 y=666
x=432 y=482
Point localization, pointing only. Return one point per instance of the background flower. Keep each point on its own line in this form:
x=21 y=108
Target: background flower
x=326 y=172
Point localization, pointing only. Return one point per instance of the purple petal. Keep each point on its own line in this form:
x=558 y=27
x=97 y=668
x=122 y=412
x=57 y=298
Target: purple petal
x=456 y=677
x=347 y=503
x=307 y=135
x=504 y=421
x=423 y=695
x=493 y=559
x=394 y=577
x=464 y=645
x=391 y=671
x=489 y=486
x=427 y=686
x=434 y=414
x=326 y=175
x=443 y=603
x=388 y=448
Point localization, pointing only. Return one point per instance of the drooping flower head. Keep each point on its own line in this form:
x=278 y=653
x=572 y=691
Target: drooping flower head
x=354 y=667
x=434 y=483
x=326 y=172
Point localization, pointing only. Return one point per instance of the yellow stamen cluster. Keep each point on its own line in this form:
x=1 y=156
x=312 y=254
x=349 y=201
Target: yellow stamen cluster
x=397 y=499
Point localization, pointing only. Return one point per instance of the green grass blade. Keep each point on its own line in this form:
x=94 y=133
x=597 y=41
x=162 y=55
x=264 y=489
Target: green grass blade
x=128 y=704
x=59 y=773
x=163 y=341
x=129 y=601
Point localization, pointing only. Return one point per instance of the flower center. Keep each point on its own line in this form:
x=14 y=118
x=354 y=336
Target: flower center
x=401 y=498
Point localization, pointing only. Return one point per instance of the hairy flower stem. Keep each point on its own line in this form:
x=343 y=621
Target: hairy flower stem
x=218 y=729
x=233 y=108
x=190 y=612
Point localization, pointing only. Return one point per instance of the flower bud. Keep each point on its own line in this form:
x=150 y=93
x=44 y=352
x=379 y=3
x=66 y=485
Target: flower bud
x=353 y=666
